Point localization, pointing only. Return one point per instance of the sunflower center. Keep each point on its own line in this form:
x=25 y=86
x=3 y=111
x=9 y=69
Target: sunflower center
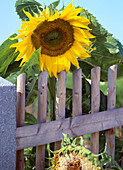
x=55 y=37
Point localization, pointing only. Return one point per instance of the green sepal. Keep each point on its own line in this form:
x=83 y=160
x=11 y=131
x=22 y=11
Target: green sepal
x=30 y=6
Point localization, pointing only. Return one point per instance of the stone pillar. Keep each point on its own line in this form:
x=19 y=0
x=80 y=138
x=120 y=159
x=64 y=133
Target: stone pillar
x=7 y=125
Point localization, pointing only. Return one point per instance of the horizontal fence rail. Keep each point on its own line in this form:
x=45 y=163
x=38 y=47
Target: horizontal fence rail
x=41 y=134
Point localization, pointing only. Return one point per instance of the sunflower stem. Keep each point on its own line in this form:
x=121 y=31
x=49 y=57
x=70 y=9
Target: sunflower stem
x=51 y=108
x=52 y=94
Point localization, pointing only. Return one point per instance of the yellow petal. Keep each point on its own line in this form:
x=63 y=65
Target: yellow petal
x=55 y=65
x=75 y=12
x=63 y=64
x=47 y=64
x=28 y=14
x=21 y=54
x=85 y=33
x=45 y=15
x=81 y=19
x=79 y=51
x=67 y=11
x=78 y=24
x=27 y=56
x=72 y=58
x=80 y=38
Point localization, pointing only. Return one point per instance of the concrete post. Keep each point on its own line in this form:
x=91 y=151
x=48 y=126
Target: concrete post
x=7 y=125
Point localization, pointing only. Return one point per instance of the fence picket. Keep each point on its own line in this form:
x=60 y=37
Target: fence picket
x=20 y=117
x=77 y=93
x=60 y=100
x=95 y=104
x=122 y=147
x=42 y=110
x=111 y=104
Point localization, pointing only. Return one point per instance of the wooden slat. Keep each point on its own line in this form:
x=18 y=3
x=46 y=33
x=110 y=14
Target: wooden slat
x=44 y=133
x=111 y=104
x=60 y=100
x=42 y=110
x=77 y=93
x=95 y=105
x=122 y=147
x=20 y=118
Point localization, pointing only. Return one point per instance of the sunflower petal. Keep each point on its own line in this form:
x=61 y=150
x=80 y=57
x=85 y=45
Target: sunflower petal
x=72 y=58
x=44 y=13
x=67 y=11
x=28 y=14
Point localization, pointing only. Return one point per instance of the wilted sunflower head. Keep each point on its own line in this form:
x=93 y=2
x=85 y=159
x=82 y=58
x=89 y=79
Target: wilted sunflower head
x=62 y=38
x=74 y=156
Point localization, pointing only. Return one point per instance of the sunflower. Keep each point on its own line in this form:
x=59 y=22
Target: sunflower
x=62 y=38
x=73 y=155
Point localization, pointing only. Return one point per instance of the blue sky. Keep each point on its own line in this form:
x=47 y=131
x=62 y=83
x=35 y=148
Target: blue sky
x=109 y=13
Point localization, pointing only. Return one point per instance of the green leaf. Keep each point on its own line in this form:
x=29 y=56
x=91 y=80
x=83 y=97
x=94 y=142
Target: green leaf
x=120 y=47
x=52 y=7
x=66 y=140
x=76 y=140
x=32 y=70
x=108 y=50
x=119 y=70
x=8 y=42
x=30 y=119
x=30 y=6
x=69 y=82
x=34 y=60
x=55 y=4
x=7 y=55
x=13 y=68
x=86 y=67
x=81 y=141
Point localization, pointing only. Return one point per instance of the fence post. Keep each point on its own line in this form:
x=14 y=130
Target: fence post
x=60 y=100
x=111 y=104
x=42 y=111
x=7 y=125
x=122 y=147
x=95 y=105
x=77 y=93
x=20 y=116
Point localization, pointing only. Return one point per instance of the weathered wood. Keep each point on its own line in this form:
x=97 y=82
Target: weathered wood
x=122 y=147
x=95 y=105
x=20 y=117
x=42 y=110
x=77 y=93
x=111 y=104
x=48 y=132
x=60 y=100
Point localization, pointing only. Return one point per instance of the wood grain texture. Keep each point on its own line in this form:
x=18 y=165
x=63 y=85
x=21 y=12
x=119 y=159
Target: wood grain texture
x=77 y=93
x=42 y=110
x=48 y=132
x=122 y=147
x=111 y=104
x=95 y=105
x=60 y=100
x=20 y=117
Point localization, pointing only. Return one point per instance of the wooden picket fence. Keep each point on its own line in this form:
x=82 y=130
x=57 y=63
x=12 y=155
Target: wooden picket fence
x=47 y=132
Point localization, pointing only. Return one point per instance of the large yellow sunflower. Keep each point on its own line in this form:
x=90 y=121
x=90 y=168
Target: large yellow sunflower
x=62 y=38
